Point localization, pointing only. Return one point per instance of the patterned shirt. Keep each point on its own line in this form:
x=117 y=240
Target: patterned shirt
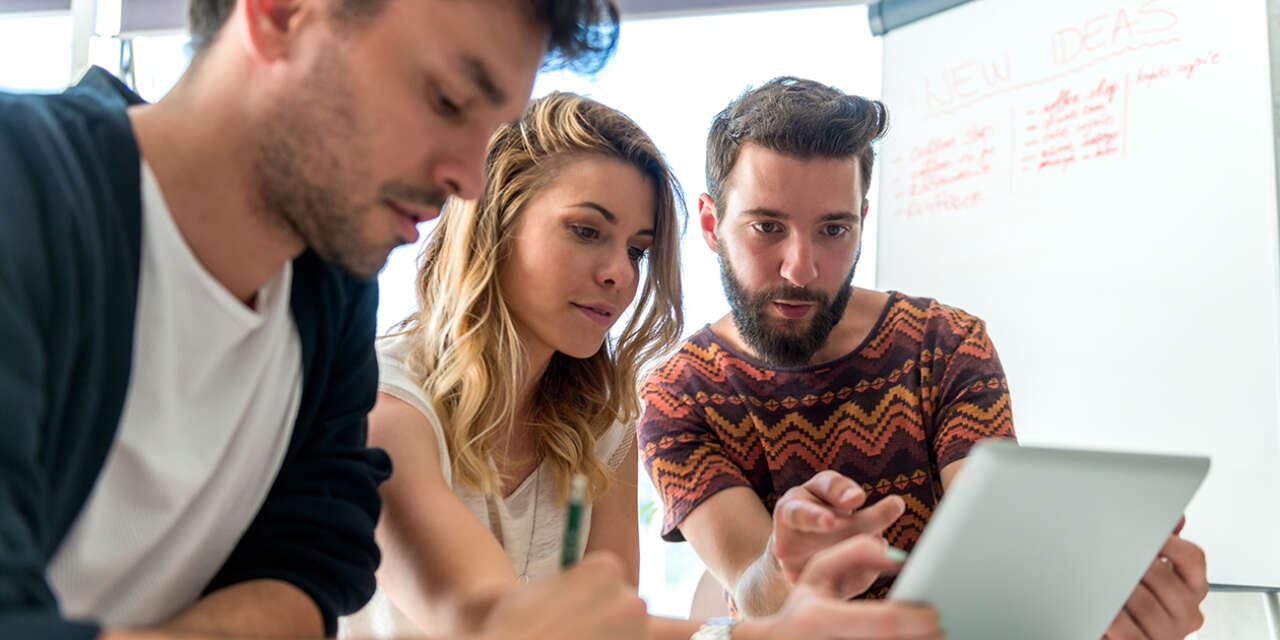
x=920 y=390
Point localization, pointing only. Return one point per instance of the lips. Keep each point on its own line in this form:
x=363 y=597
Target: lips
x=601 y=314
x=410 y=216
x=793 y=310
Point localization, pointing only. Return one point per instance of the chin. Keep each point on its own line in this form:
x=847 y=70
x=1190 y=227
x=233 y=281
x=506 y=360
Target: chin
x=366 y=269
x=790 y=327
x=581 y=351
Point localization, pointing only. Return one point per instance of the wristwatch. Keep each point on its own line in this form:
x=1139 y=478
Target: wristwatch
x=715 y=629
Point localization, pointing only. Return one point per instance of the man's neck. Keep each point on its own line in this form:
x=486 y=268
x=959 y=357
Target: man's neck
x=860 y=317
x=198 y=146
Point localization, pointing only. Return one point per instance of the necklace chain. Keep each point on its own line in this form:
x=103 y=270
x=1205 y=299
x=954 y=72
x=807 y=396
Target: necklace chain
x=533 y=520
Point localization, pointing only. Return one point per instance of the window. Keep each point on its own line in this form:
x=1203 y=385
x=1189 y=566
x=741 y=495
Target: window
x=36 y=49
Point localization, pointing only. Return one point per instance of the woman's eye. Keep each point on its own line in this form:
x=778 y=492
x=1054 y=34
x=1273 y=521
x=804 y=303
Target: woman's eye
x=637 y=254
x=586 y=233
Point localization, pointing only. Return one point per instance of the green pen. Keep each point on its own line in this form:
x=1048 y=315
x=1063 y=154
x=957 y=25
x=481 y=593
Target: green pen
x=573 y=520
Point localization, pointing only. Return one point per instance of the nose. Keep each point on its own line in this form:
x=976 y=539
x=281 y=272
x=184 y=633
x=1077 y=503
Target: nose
x=461 y=173
x=617 y=271
x=798 y=265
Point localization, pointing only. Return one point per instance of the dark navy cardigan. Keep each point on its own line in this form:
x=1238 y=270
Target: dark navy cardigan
x=70 y=236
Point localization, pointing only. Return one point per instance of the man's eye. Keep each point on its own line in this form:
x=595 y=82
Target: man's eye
x=835 y=230
x=767 y=227
x=445 y=104
x=449 y=106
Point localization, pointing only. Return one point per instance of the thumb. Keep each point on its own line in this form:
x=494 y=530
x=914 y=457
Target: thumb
x=877 y=517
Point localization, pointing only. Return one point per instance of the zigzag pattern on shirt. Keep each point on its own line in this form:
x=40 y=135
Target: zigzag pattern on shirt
x=698 y=365
x=920 y=390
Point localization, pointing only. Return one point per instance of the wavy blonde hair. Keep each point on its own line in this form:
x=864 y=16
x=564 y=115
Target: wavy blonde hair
x=466 y=353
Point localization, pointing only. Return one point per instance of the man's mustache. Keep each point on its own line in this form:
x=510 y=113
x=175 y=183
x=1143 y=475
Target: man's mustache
x=791 y=293
x=427 y=196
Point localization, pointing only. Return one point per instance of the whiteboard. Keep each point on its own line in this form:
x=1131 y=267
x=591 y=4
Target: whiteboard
x=1096 y=179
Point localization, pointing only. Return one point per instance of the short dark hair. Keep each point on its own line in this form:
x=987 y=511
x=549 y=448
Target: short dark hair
x=795 y=117
x=582 y=33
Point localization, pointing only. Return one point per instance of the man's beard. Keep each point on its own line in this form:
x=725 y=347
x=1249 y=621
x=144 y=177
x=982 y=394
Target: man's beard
x=307 y=181
x=774 y=346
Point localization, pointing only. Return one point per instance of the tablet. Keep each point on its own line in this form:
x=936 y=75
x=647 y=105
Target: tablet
x=1045 y=543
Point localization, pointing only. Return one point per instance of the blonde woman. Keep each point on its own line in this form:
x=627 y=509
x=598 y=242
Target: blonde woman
x=506 y=381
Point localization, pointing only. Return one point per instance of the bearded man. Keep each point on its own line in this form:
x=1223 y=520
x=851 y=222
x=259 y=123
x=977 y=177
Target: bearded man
x=850 y=410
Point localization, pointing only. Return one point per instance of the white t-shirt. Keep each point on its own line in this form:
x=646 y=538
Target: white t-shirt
x=213 y=394
x=528 y=523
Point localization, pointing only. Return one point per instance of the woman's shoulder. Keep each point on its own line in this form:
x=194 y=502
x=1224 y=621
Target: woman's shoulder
x=396 y=380
x=393 y=347
x=615 y=443
x=394 y=376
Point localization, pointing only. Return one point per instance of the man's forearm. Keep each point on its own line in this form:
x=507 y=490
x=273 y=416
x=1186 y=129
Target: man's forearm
x=762 y=588
x=258 y=608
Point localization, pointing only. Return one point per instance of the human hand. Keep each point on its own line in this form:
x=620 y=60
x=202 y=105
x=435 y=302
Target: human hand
x=591 y=601
x=822 y=512
x=1166 y=603
x=817 y=606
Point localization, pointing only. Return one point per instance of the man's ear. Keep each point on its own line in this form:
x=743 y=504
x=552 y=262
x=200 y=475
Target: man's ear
x=707 y=218
x=866 y=206
x=272 y=25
